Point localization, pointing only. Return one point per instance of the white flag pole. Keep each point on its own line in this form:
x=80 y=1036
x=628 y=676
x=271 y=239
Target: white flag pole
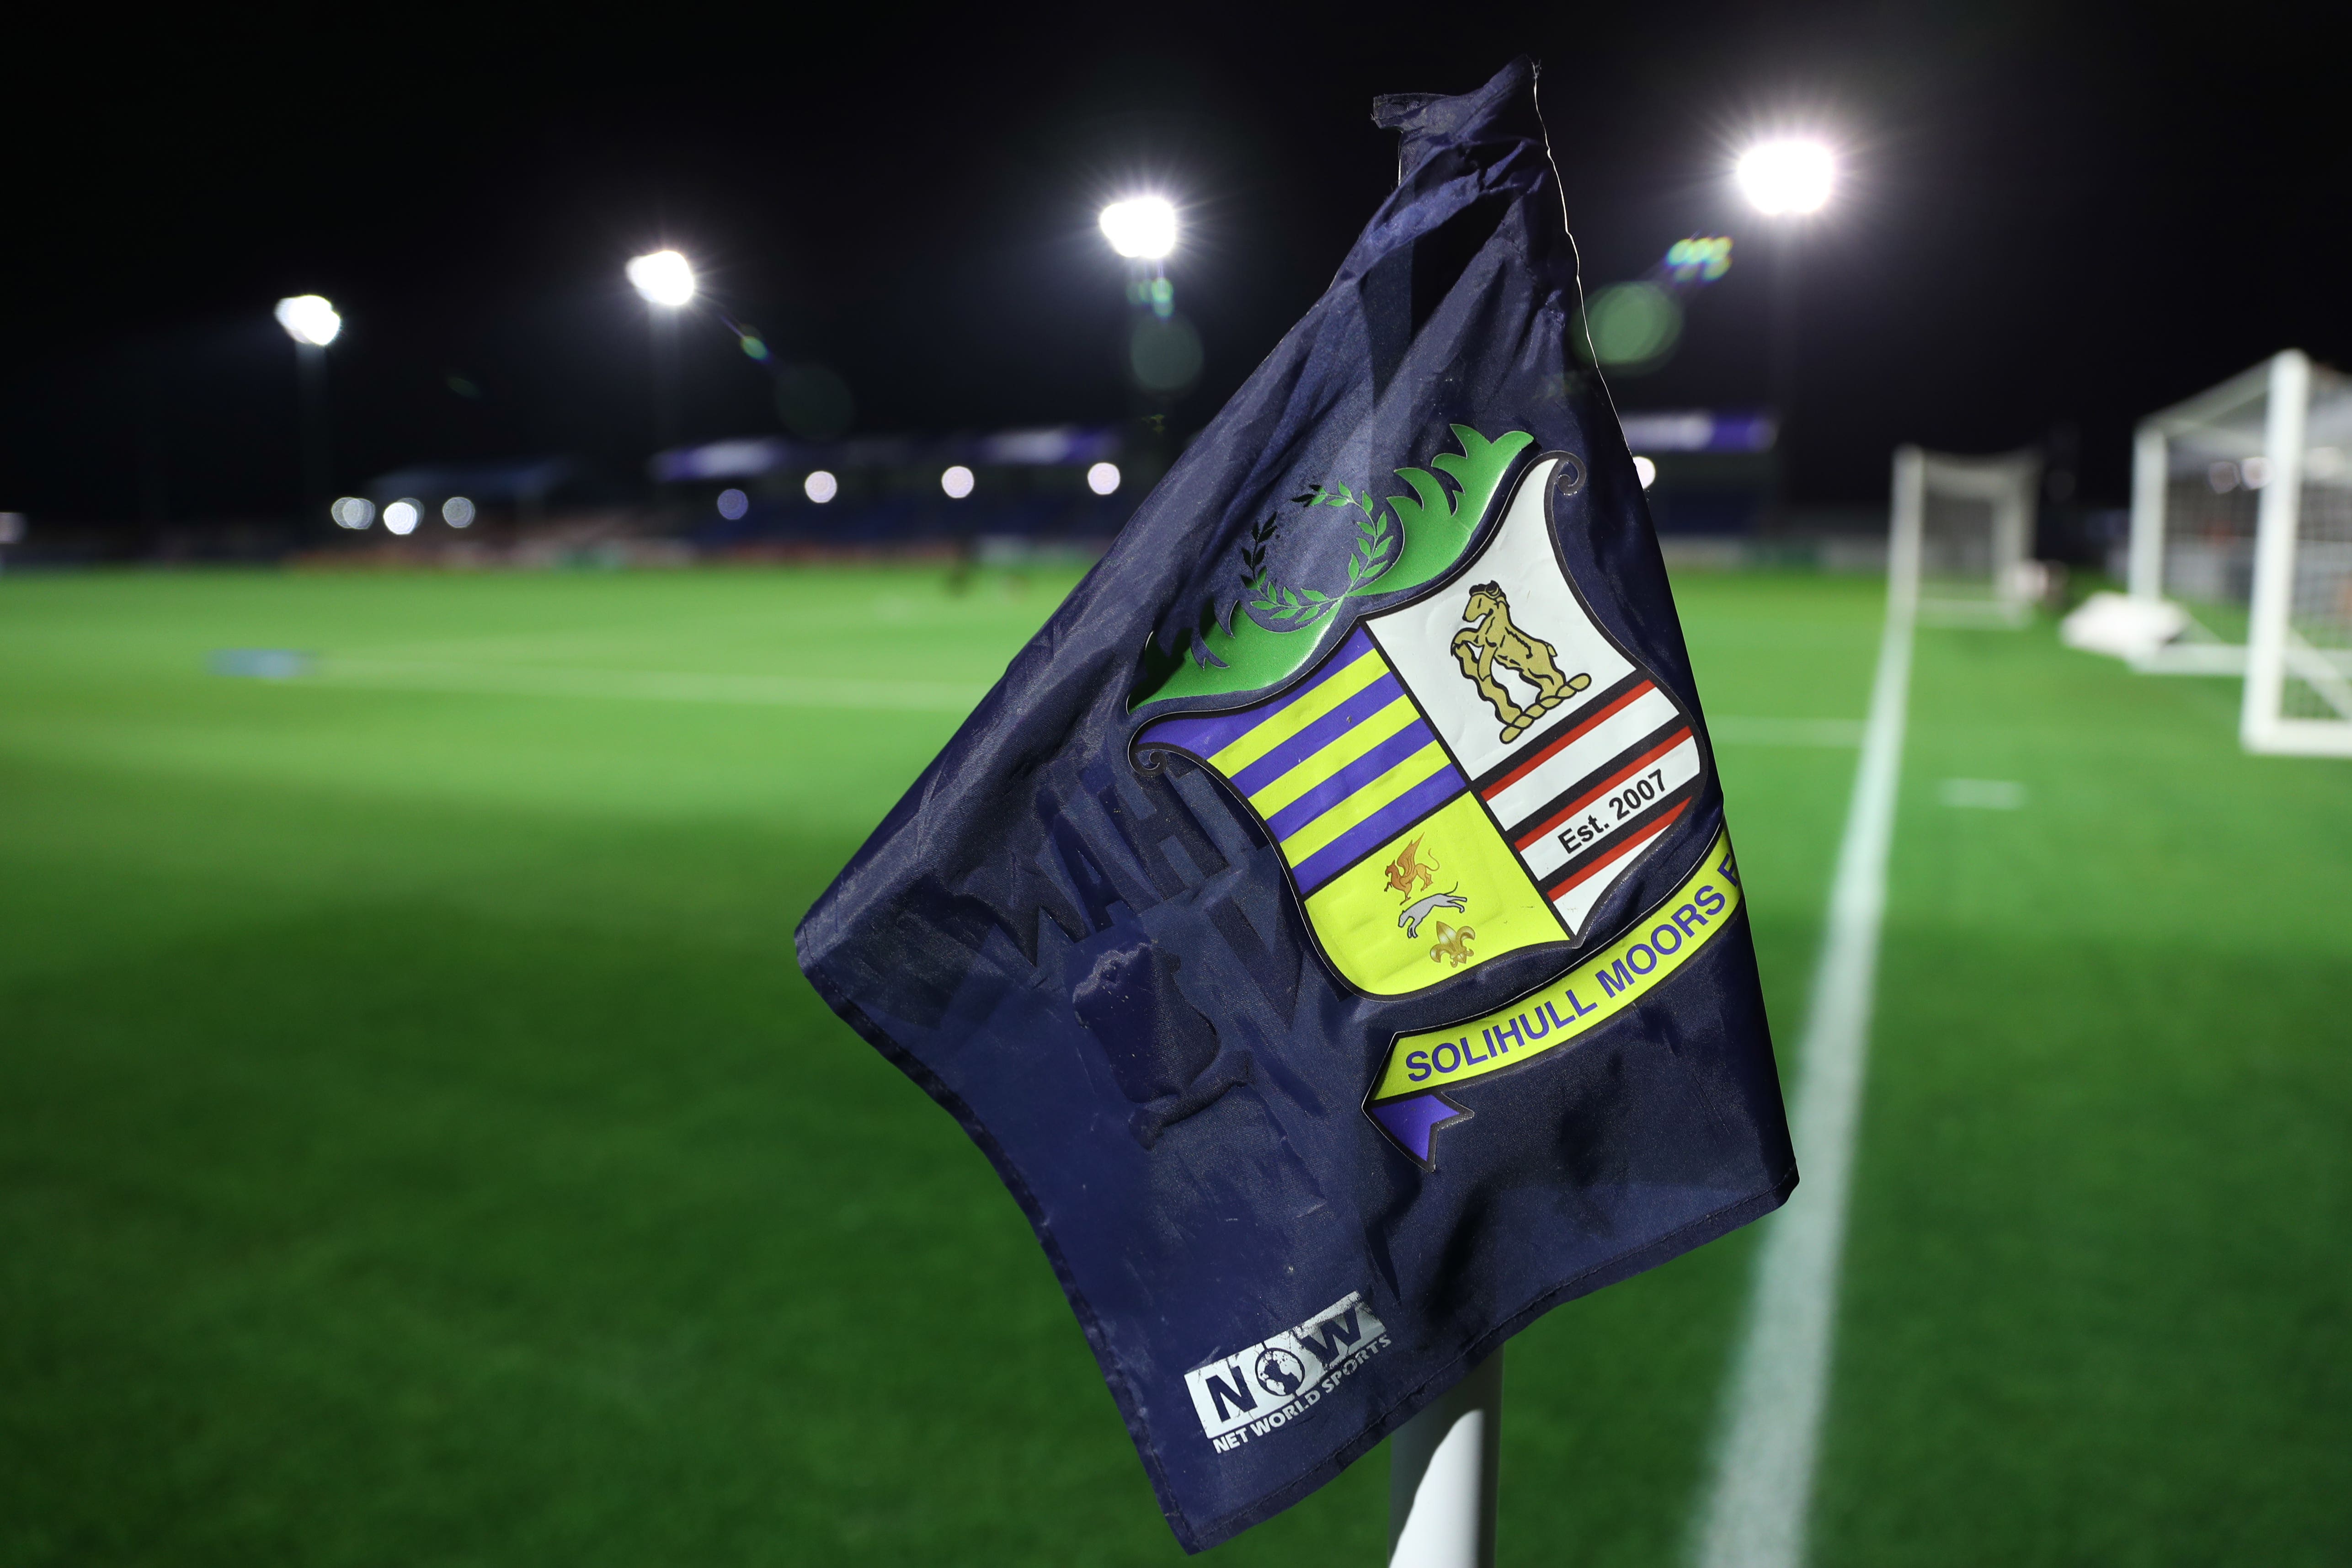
x=1443 y=1467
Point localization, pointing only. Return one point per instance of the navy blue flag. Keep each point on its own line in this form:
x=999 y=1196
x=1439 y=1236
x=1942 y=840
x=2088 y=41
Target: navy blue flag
x=1328 y=925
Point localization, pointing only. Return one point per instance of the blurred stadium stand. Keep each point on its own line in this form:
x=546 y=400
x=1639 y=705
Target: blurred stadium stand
x=1027 y=485
x=1717 y=498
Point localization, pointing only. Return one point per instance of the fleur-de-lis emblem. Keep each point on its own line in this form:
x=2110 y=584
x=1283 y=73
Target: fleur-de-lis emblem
x=1452 y=945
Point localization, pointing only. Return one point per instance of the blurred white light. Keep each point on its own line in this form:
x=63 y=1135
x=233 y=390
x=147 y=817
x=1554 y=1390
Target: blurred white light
x=1103 y=479
x=457 y=511
x=352 y=512
x=1787 y=176
x=1142 y=228
x=12 y=528
x=1647 y=471
x=2256 y=473
x=310 y=320
x=664 y=278
x=733 y=504
x=957 y=482
x=820 y=487
x=402 y=516
x=2222 y=476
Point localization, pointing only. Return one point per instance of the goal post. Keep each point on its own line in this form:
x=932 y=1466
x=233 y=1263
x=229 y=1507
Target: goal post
x=2298 y=698
x=2199 y=470
x=1961 y=536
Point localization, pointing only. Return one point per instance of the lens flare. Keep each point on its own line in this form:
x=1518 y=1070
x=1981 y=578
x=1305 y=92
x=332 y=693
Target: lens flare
x=458 y=513
x=1164 y=357
x=1702 y=259
x=352 y=512
x=820 y=487
x=957 y=482
x=1634 y=326
x=733 y=504
x=1103 y=479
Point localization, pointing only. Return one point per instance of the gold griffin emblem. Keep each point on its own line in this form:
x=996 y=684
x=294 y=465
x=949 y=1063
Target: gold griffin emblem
x=1408 y=865
x=1492 y=641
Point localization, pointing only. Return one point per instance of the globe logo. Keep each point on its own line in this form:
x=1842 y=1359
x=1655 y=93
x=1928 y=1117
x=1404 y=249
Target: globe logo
x=1280 y=1372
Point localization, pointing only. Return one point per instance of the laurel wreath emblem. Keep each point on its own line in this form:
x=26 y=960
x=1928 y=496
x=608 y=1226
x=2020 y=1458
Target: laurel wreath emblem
x=1378 y=540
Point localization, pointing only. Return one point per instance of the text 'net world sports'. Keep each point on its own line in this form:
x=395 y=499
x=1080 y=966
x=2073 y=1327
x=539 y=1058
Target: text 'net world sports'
x=1327 y=926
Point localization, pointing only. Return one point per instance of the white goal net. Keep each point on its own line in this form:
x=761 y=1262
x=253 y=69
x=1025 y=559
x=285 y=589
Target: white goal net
x=2241 y=526
x=1962 y=536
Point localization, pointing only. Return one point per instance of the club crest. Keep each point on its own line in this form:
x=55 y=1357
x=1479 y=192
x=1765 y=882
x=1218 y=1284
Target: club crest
x=1464 y=775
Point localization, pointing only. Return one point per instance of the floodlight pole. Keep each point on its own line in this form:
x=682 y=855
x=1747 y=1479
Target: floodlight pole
x=665 y=376
x=664 y=280
x=310 y=366
x=1782 y=370
x=1444 y=1470
x=1786 y=181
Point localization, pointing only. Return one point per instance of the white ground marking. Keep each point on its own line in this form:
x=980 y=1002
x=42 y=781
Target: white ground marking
x=1756 y=1510
x=653 y=685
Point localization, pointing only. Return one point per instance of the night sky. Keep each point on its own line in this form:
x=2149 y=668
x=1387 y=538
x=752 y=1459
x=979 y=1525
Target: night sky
x=2055 y=219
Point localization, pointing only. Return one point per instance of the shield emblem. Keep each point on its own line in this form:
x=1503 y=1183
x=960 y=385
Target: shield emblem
x=1463 y=775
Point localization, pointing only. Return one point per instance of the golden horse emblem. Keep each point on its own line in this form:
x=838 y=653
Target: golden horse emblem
x=1493 y=641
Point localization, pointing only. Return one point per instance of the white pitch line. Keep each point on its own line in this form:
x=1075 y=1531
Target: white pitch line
x=652 y=684
x=1757 y=1509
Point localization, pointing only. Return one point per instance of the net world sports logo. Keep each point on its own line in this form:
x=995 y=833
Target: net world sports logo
x=1280 y=1378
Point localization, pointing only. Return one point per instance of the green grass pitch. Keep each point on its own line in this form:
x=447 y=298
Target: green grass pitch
x=418 y=1147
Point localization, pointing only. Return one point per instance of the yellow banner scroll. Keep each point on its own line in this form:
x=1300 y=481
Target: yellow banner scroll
x=1599 y=989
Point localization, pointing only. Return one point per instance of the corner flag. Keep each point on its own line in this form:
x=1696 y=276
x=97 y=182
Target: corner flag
x=1327 y=927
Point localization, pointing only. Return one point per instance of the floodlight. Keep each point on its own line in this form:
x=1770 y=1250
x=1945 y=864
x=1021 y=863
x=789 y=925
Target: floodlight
x=309 y=319
x=1786 y=176
x=402 y=516
x=664 y=278
x=457 y=511
x=352 y=512
x=1103 y=479
x=957 y=482
x=733 y=504
x=1645 y=470
x=820 y=487
x=1142 y=228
